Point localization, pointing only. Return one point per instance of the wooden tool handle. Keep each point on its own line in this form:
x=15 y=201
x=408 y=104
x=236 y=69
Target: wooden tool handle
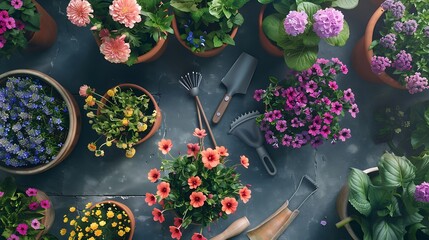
x=206 y=121
x=237 y=227
x=221 y=108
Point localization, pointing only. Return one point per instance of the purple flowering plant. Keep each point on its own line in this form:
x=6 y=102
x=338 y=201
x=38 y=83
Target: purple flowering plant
x=402 y=46
x=298 y=26
x=18 y=19
x=306 y=107
x=34 y=122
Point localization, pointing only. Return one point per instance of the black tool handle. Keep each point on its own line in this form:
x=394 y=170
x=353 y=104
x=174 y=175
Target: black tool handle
x=221 y=108
x=266 y=161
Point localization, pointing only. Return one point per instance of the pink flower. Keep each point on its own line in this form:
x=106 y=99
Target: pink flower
x=200 y=133
x=157 y=215
x=198 y=236
x=1 y=194
x=193 y=149
x=223 y=152
x=79 y=12
x=153 y=175
x=197 y=199
x=104 y=33
x=84 y=90
x=126 y=12
x=22 y=229
x=150 y=199
x=13 y=237
x=33 y=206
x=178 y=222
x=229 y=205
x=45 y=204
x=115 y=50
x=175 y=232
x=17 y=4
x=245 y=194
x=165 y=146
x=244 y=161
x=35 y=224
x=194 y=182
x=210 y=158
x=163 y=189
x=31 y=192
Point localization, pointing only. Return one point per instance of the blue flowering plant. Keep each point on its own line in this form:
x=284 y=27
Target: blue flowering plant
x=34 y=122
x=306 y=107
x=207 y=24
x=298 y=26
x=402 y=46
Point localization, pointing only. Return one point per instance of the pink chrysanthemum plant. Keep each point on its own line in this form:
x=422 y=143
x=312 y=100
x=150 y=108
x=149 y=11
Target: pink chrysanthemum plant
x=21 y=213
x=298 y=28
x=126 y=28
x=402 y=47
x=18 y=19
x=306 y=107
x=197 y=186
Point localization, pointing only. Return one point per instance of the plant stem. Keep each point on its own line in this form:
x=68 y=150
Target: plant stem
x=343 y=222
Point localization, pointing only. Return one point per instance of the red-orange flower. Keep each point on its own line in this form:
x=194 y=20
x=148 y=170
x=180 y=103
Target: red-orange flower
x=245 y=194
x=178 y=222
x=197 y=199
x=165 y=145
x=223 y=152
x=153 y=175
x=150 y=199
x=157 y=215
x=200 y=133
x=229 y=205
x=163 y=189
x=244 y=161
x=210 y=158
x=194 y=182
x=175 y=232
x=198 y=236
x=193 y=149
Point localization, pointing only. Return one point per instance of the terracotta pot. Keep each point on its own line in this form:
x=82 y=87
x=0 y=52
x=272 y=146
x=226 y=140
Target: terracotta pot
x=46 y=36
x=343 y=203
x=127 y=210
x=157 y=124
x=207 y=53
x=48 y=219
x=263 y=39
x=74 y=122
x=361 y=58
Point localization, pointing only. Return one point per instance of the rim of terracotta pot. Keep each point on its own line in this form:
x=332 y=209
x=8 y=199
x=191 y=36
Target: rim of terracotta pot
x=263 y=39
x=368 y=37
x=47 y=35
x=343 y=203
x=126 y=209
x=48 y=219
x=157 y=124
x=74 y=122
x=208 y=53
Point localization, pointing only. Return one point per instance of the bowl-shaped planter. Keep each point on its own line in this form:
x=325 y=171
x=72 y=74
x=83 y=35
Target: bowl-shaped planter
x=266 y=43
x=50 y=135
x=48 y=219
x=46 y=36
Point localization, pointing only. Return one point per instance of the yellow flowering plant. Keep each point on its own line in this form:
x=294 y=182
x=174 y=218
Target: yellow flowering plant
x=122 y=116
x=105 y=220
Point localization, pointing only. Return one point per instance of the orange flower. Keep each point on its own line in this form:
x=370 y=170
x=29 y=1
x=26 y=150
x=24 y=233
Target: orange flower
x=198 y=236
x=244 y=161
x=157 y=215
x=194 y=182
x=165 y=145
x=245 y=194
x=178 y=222
x=193 y=149
x=229 y=205
x=223 y=152
x=92 y=147
x=197 y=199
x=153 y=175
x=150 y=199
x=163 y=189
x=210 y=158
x=175 y=232
x=200 y=133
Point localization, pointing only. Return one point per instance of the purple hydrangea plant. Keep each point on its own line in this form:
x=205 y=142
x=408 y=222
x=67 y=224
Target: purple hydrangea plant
x=328 y=22
x=379 y=64
x=416 y=83
x=388 y=41
x=422 y=192
x=295 y=23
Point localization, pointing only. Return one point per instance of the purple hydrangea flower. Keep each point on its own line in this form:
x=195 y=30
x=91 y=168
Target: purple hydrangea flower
x=295 y=23
x=426 y=31
x=397 y=26
x=410 y=27
x=397 y=10
x=388 y=41
x=422 y=192
x=379 y=64
x=415 y=83
x=344 y=134
x=328 y=22
x=403 y=61
x=386 y=5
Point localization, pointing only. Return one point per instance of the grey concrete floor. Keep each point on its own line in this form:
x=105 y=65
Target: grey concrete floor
x=75 y=60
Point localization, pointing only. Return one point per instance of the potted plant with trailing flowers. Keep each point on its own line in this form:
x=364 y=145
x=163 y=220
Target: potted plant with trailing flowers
x=127 y=31
x=105 y=220
x=198 y=186
x=293 y=29
x=24 y=214
x=24 y=24
x=126 y=115
x=396 y=52
x=206 y=27
x=306 y=107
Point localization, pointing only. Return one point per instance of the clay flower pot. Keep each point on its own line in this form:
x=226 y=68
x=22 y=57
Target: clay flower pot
x=263 y=39
x=48 y=219
x=47 y=35
x=73 y=118
x=207 y=53
x=361 y=57
x=343 y=203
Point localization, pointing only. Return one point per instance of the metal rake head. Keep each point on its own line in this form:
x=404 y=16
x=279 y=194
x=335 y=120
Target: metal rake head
x=191 y=80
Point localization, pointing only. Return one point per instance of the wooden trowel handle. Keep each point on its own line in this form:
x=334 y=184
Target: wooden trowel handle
x=221 y=108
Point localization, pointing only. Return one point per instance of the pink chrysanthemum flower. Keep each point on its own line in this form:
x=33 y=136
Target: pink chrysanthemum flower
x=115 y=50
x=126 y=12
x=79 y=12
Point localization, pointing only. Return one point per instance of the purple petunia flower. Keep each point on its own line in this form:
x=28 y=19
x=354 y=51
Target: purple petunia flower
x=325 y=131
x=10 y=23
x=344 y=69
x=397 y=26
x=336 y=107
x=3 y=15
x=277 y=114
x=415 y=83
x=1 y=194
x=287 y=140
x=410 y=27
x=397 y=9
x=327 y=118
x=317 y=121
x=13 y=237
x=45 y=204
x=379 y=64
x=31 y=192
x=403 y=61
x=422 y=192
x=333 y=85
x=344 y=134
x=258 y=94
x=269 y=116
x=17 y=4
x=33 y=206
x=295 y=22
x=354 y=110
x=269 y=137
x=388 y=41
x=328 y=22
x=426 y=31
x=281 y=125
x=22 y=229
x=313 y=129
x=349 y=95
x=316 y=142
x=264 y=126
x=35 y=224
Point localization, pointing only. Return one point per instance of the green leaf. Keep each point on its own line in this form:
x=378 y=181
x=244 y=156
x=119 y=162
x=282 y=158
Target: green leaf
x=395 y=170
x=385 y=230
x=217 y=42
x=380 y=196
x=309 y=8
x=411 y=219
x=300 y=58
x=420 y=137
x=228 y=40
x=238 y=19
x=422 y=168
x=412 y=231
x=265 y=1
x=4 y=5
x=342 y=38
x=311 y=39
x=283 y=7
x=346 y=4
x=272 y=25
x=364 y=225
x=358 y=183
x=184 y=5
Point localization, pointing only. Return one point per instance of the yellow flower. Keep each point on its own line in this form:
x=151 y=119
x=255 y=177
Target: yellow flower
x=145 y=119
x=121 y=233
x=87 y=229
x=114 y=224
x=119 y=216
x=72 y=209
x=90 y=101
x=98 y=232
x=91 y=147
x=125 y=122
x=130 y=153
x=70 y=238
x=63 y=231
x=80 y=234
x=84 y=219
x=91 y=238
x=128 y=112
x=110 y=214
x=90 y=115
x=98 y=212
x=72 y=233
x=108 y=143
x=102 y=223
x=87 y=213
x=94 y=226
x=141 y=127
x=111 y=92
x=127 y=229
x=72 y=222
x=99 y=153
